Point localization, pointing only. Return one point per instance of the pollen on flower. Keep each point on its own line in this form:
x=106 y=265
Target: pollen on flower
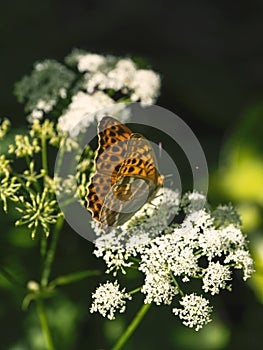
x=108 y=299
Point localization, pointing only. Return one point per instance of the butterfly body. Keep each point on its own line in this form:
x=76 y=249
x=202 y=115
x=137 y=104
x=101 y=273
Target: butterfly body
x=126 y=174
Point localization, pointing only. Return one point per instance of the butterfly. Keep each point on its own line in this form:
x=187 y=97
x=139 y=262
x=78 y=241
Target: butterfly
x=126 y=175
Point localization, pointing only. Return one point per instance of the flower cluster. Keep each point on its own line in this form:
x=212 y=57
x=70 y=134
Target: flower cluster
x=85 y=86
x=107 y=80
x=195 y=312
x=191 y=249
x=39 y=212
x=108 y=298
x=32 y=190
x=58 y=97
x=4 y=127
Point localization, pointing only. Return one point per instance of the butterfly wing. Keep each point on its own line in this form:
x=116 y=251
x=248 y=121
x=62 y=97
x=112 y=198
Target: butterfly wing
x=137 y=181
x=112 y=147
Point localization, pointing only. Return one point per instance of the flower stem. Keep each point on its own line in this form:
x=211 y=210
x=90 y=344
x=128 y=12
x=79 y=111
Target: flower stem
x=44 y=324
x=131 y=328
x=135 y=290
x=51 y=252
x=10 y=278
x=43 y=245
x=44 y=153
x=177 y=285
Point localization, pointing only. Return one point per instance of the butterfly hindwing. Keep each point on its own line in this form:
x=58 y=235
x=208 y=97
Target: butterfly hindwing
x=137 y=182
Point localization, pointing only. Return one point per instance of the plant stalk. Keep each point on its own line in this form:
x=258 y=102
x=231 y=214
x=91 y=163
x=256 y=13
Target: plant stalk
x=131 y=328
x=44 y=324
x=51 y=252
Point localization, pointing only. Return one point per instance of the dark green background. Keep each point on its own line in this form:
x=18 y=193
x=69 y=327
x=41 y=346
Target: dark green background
x=209 y=54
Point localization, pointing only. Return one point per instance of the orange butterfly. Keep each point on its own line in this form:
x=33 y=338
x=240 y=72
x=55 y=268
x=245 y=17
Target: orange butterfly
x=126 y=174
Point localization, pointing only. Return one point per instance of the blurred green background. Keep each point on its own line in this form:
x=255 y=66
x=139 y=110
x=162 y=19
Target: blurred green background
x=209 y=54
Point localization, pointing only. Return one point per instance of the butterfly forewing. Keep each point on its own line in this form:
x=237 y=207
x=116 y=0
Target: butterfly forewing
x=126 y=174
x=112 y=147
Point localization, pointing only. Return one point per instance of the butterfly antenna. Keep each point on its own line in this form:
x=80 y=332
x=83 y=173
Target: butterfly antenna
x=167 y=176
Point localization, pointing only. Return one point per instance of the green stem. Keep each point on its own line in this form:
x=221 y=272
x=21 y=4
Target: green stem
x=44 y=153
x=131 y=328
x=43 y=245
x=73 y=277
x=44 y=324
x=27 y=161
x=51 y=252
x=10 y=278
x=177 y=285
x=135 y=290
x=22 y=182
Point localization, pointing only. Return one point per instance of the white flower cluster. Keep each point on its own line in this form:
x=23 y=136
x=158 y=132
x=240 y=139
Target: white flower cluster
x=108 y=298
x=41 y=108
x=123 y=76
x=117 y=246
x=192 y=249
x=86 y=110
x=195 y=312
x=104 y=76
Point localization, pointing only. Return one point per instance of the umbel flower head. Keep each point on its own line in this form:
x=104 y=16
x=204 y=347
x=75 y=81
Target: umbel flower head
x=108 y=298
x=195 y=248
x=39 y=212
x=86 y=84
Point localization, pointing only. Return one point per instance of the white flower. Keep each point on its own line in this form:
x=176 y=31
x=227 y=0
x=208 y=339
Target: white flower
x=216 y=242
x=200 y=218
x=117 y=261
x=122 y=75
x=242 y=260
x=211 y=243
x=169 y=253
x=97 y=80
x=63 y=93
x=36 y=114
x=232 y=238
x=147 y=223
x=215 y=277
x=197 y=201
x=195 y=312
x=146 y=86
x=159 y=288
x=90 y=62
x=171 y=257
x=108 y=298
x=83 y=105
